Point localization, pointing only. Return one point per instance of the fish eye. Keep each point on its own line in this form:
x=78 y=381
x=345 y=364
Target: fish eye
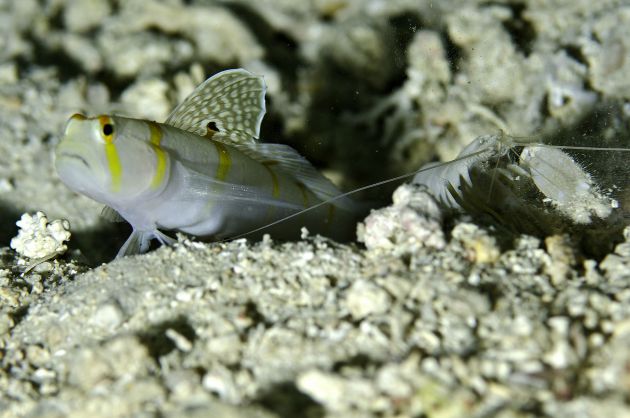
x=108 y=129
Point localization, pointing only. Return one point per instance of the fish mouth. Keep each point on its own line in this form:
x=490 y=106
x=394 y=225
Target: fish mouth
x=76 y=157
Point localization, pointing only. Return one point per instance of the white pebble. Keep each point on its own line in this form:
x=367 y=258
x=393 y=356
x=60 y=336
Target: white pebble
x=38 y=239
x=181 y=342
x=108 y=316
x=365 y=298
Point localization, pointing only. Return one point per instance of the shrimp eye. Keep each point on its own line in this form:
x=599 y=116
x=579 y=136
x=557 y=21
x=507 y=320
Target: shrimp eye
x=108 y=129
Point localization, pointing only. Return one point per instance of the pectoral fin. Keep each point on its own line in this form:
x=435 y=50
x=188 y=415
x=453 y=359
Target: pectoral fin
x=111 y=215
x=139 y=242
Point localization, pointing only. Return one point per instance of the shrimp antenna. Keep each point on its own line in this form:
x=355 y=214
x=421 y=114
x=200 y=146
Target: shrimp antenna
x=519 y=141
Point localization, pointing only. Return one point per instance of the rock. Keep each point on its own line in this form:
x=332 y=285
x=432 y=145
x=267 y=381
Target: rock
x=38 y=239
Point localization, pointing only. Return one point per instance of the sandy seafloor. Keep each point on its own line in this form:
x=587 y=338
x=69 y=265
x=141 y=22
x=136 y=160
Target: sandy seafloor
x=425 y=316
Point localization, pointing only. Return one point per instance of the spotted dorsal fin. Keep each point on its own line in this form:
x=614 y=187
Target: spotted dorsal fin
x=229 y=107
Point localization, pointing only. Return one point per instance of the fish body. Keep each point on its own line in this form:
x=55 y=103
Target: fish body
x=202 y=172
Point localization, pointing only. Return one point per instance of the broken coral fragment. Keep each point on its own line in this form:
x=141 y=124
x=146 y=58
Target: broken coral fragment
x=37 y=238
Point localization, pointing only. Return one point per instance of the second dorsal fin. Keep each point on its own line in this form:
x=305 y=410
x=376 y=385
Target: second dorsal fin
x=288 y=161
x=230 y=104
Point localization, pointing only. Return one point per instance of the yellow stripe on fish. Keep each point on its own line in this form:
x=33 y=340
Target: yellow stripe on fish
x=223 y=167
x=160 y=155
x=274 y=177
x=113 y=160
x=304 y=192
x=225 y=161
x=115 y=169
x=275 y=191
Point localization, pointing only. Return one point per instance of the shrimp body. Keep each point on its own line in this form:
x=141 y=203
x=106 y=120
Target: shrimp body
x=528 y=187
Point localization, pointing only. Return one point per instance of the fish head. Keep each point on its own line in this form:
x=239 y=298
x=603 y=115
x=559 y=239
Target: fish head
x=110 y=159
